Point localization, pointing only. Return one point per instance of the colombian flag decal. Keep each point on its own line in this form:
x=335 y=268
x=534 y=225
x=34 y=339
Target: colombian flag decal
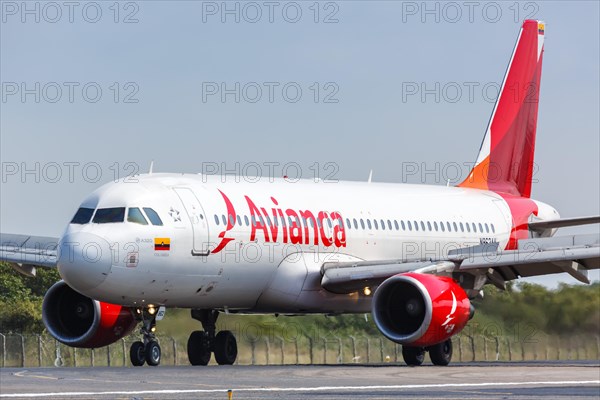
x=540 y=29
x=162 y=244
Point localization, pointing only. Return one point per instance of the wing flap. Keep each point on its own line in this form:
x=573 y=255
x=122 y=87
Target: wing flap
x=573 y=254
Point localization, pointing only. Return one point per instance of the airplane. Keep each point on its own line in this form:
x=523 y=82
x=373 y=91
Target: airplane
x=414 y=256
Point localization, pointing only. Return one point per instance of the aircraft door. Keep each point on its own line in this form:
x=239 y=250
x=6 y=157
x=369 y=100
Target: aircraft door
x=197 y=217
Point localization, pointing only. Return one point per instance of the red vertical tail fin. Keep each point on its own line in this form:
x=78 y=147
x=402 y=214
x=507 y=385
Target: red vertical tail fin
x=505 y=161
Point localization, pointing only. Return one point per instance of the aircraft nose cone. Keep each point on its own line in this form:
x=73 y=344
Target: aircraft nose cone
x=84 y=260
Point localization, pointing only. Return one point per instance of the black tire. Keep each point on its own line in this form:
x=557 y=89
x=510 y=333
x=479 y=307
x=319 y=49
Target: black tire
x=413 y=356
x=198 y=348
x=225 y=348
x=441 y=353
x=153 y=353
x=137 y=355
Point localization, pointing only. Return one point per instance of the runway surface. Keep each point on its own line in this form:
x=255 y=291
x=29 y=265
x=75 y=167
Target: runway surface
x=458 y=381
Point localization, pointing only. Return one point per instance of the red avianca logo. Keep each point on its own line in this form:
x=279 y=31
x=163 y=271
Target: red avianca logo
x=287 y=226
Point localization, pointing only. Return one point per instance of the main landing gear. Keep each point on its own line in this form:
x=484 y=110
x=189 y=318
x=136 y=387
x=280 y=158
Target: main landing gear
x=202 y=344
x=440 y=354
x=148 y=350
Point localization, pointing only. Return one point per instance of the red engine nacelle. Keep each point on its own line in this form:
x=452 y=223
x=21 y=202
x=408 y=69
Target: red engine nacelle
x=79 y=321
x=419 y=309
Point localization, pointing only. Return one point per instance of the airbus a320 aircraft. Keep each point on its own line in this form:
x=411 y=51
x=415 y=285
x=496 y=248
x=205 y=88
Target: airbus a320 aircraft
x=412 y=255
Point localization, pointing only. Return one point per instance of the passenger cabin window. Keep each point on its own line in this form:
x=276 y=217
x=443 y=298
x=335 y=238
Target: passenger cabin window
x=82 y=216
x=109 y=215
x=153 y=216
x=135 y=215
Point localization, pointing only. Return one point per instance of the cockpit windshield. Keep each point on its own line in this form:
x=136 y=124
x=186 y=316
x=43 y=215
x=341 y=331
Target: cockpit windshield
x=83 y=216
x=153 y=216
x=109 y=215
x=135 y=215
x=117 y=214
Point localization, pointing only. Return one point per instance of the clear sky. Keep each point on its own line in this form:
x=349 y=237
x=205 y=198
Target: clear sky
x=398 y=87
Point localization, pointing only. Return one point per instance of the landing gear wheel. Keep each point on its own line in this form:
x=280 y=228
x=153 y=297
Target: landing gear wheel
x=225 y=348
x=441 y=353
x=198 y=348
x=153 y=353
x=137 y=354
x=413 y=356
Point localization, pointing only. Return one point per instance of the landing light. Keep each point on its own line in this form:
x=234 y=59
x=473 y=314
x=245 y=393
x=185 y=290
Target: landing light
x=367 y=291
x=151 y=310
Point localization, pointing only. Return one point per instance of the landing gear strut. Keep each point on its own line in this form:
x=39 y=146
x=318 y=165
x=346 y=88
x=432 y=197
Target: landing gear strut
x=148 y=350
x=202 y=344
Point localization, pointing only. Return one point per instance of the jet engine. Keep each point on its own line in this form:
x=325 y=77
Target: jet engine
x=420 y=309
x=79 y=321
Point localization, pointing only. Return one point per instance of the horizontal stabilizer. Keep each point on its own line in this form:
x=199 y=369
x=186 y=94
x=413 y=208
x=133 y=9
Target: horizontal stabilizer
x=563 y=222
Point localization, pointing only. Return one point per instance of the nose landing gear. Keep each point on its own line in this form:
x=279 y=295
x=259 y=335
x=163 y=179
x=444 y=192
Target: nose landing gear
x=202 y=344
x=148 y=350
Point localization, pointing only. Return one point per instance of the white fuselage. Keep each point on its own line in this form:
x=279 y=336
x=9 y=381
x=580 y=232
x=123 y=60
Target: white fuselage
x=273 y=264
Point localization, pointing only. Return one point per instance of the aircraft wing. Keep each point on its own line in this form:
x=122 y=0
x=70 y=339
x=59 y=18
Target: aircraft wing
x=574 y=255
x=25 y=252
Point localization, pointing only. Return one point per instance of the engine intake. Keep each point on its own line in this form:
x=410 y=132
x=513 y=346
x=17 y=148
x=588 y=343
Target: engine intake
x=78 y=321
x=420 y=309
